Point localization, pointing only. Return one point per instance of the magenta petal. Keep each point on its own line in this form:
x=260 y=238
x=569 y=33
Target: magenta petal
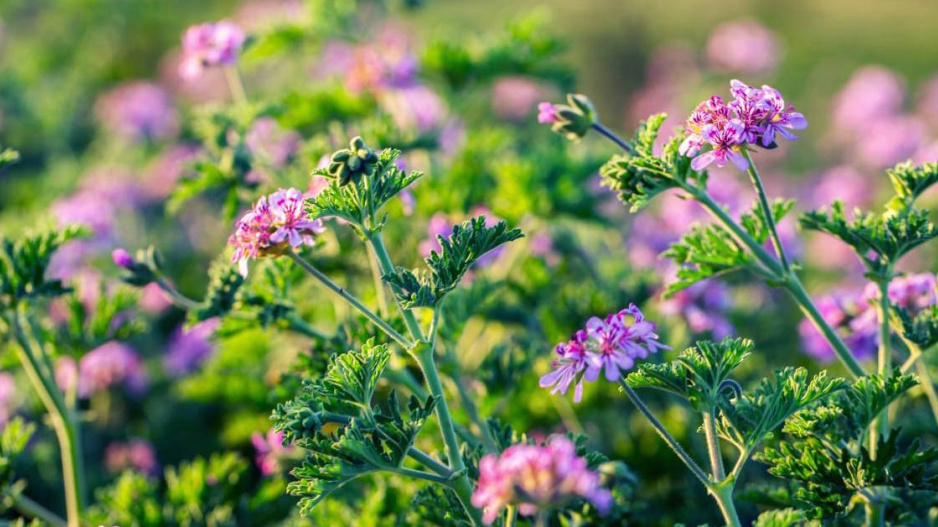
x=578 y=392
x=738 y=160
x=702 y=161
x=549 y=379
x=769 y=136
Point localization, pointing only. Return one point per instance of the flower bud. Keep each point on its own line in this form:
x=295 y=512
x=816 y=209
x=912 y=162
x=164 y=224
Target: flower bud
x=351 y=164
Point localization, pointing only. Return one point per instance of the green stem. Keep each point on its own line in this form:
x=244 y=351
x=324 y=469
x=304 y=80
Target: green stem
x=428 y=461
x=34 y=510
x=610 y=135
x=916 y=360
x=767 y=210
x=463 y=489
x=236 y=85
x=880 y=427
x=713 y=446
x=715 y=210
x=424 y=356
x=379 y=283
x=470 y=407
x=63 y=422
x=511 y=516
x=419 y=474
x=675 y=446
x=296 y=324
x=723 y=494
x=348 y=297
x=794 y=287
x=177 y=298
x=384 y=260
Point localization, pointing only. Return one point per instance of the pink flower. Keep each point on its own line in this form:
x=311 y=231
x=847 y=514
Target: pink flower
x=137 y=454
x=208 y=45
x=8 y=397
x=111 y=364
x=726 y=143
x=536 y=477
x=744 y=46
x=275 y=223
x=546 y=113
x=612 y=344
x=270 y=451
x=122 y=258
x=871 y=94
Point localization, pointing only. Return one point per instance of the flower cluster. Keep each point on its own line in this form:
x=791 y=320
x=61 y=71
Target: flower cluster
x=189 y=348
x=137 y=454
x=535 y=477
x=274 y=223
x=270 y=451
x=854 y=315
x=612 y=345
x=754 y=117
x=207 y=45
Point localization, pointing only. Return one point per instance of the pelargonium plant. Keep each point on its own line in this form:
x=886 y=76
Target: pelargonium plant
x=408 y=343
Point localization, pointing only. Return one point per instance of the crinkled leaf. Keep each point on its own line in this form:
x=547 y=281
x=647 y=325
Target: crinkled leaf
x=24 y=262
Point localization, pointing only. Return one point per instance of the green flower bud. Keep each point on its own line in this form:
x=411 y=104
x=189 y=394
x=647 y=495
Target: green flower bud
x=574 y=119
x=351 y=164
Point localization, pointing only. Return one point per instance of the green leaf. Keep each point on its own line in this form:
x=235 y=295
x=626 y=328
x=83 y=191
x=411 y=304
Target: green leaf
x=23 y=265
x=468 y=242
x=879 y=240
x=221 y=296
x=910 y=182
x=412 y=288
x=353 y=376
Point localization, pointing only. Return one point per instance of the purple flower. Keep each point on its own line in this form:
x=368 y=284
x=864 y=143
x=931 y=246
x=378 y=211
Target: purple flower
x=744 y=46
x=414 y=107
x=611 y=344
x=726 y=141
x=703 y=306
x=189 y=348
x=276 y=222
x=122 y=258
x=513 y=98
x=871 y=94
x=138 y=110
x=780 y=119
x=535 y=478
x=546 y=113
x=207 y=45
x=270 y=451
x=852 y=317
x=267 y=139
x=913 y=292
x=137 y=454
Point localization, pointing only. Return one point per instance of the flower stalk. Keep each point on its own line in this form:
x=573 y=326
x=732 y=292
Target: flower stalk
x=767 y=210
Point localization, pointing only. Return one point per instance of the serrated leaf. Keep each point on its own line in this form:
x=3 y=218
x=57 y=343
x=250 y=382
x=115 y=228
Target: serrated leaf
x=24 y=262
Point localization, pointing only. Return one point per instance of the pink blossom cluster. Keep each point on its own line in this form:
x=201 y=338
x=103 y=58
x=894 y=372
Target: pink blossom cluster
x=535 y=478
x=854 y=315
x=137 y=454
x=610 y=345
x=109 y=365
x=270 y=451
x=744 y=46
x=138 y=111
x=275 y=223
x=210 y=44
x=754 y=117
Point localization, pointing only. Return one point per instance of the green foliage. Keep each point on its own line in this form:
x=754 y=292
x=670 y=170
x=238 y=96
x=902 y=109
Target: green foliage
x=468 y=242
x=359 y=200
x=13 y=440
x=879 y=240
x=922 y=328
x=113 y=316
x=344 y=436
x=783 y=518
x=221 y=295
x=639 y=175
x=8 y=156
x=826 y=457
x=146 y=268
x=910 y=182
x=574 y=119
x=23 y=265
x=755 y=415
x=711 y=250
x=699 y=373
x=527 y=48
x=196 y=493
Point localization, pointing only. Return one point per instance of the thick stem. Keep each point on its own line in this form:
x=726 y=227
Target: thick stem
x=675 y=446
x=384 y=260
x=767 y=210
x=715 y=210
x=64 y=423
x=793 y=285
x=511 y=516
x=424 y=356
x=463 y=489
x=880 y=426
x=713 y=446
x=380 y=293
x=348 y=297
x=723 y=494
x=426 y=460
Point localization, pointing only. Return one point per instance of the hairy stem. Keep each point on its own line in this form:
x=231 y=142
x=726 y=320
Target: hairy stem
x=713 y=446
x=668 y=438
x=723 y=494
x=428 y=461
x=348 y=297
x=63 y=421
x=384 y=260
x=880 y=426
x=767 y=210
